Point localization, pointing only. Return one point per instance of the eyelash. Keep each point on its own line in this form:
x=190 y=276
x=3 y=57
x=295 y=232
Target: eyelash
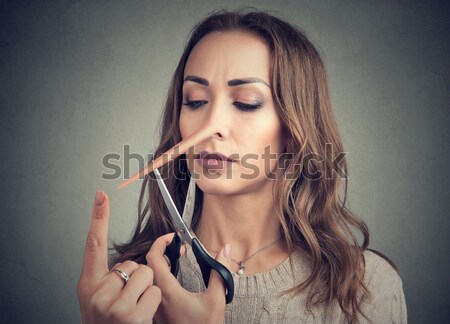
x=196 y=104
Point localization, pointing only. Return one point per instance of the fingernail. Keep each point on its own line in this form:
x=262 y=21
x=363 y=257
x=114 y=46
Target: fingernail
x=99 y=197
x=227 y=251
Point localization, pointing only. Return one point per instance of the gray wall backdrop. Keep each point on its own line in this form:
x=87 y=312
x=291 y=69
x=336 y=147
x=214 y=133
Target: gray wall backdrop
x=80 y=79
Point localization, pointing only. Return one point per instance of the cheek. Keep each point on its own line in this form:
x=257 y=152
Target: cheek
x=184 y=124
x=269 y=134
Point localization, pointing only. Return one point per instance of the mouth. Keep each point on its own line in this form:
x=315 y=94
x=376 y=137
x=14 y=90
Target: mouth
x=213 y=161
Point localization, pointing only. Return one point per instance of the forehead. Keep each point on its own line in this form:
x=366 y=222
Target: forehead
x=227 y=55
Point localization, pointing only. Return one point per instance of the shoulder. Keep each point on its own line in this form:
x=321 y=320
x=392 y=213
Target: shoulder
x=379 y=270
x=386 y=301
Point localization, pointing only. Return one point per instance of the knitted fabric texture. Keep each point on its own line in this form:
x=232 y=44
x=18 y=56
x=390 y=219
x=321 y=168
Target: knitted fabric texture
x=257 y=297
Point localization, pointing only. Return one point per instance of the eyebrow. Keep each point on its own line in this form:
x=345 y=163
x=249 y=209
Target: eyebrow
x=197 y=79
x=231 y=83
x=236 y=82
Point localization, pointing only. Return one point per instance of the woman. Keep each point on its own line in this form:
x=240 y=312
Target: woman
x=270 y=204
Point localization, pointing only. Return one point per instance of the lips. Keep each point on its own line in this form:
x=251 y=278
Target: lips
x=214 y=160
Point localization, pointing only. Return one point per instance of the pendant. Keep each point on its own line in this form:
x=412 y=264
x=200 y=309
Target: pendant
x=241 y=268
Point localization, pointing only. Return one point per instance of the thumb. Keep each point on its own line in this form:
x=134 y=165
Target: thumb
x=216 y=285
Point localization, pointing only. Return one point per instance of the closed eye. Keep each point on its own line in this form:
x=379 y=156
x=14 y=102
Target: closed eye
x=195 y=104
x=247 y=107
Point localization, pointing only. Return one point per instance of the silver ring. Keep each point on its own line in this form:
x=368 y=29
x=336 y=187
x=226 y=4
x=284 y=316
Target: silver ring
x=124 y=276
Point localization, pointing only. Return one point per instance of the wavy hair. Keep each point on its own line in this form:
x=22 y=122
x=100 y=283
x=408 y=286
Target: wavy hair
x=310 y=189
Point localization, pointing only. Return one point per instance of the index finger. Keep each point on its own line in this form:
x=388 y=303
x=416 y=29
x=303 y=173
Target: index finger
x=95 y=260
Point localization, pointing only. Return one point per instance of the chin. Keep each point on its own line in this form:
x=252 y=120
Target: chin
x=228 y=187
x=216 y=185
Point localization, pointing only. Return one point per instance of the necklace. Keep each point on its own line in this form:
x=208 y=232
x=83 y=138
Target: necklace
x=240 y=263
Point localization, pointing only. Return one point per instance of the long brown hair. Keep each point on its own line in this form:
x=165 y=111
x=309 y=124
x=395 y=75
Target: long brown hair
x=309 y=193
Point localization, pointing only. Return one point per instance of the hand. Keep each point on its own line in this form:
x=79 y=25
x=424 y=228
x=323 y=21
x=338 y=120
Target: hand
x=104 y=296
x=179 y=305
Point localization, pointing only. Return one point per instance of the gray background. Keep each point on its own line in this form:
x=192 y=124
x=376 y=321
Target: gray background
x=80 y=79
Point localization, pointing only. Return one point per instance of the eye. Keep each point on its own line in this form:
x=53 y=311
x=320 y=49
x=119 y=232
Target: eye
x=195 y=104
x=247 y=107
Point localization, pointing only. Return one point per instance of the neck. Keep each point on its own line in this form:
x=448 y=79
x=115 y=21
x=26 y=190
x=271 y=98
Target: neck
x=246 y=222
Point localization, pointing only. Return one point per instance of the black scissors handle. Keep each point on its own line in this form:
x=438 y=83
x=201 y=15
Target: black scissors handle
x=206 y=263
x=173 y=253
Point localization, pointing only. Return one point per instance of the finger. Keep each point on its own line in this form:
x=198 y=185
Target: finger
x=114 y=280
x=149 y=302
x=216 y=285
x=171 y=154
x=156 y=259
x=95 y=260
x=111 y=287
x=141 y=279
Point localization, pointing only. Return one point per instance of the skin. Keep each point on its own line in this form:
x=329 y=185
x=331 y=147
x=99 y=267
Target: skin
x=105 y=298
x=103 y=295
x=236 y=212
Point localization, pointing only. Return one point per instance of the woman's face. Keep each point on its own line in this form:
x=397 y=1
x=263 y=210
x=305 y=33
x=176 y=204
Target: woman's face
x=227 y=89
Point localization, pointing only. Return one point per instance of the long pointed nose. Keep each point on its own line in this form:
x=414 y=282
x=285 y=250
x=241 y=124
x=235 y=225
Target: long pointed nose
x=201 y=135
x=215 y=126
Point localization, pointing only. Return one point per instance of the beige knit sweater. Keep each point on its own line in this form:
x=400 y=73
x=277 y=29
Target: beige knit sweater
x=256 y=297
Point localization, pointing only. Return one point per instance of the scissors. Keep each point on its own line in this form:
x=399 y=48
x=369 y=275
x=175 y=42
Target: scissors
x=184 y=235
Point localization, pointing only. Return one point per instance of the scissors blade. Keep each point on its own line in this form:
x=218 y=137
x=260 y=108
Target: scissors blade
x=180 y=225
x=189 y=204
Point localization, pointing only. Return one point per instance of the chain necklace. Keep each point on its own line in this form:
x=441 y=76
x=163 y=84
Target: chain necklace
x=240 y=263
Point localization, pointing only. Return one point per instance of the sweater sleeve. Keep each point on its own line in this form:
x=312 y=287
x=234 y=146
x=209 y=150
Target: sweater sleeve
x=387 y=301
